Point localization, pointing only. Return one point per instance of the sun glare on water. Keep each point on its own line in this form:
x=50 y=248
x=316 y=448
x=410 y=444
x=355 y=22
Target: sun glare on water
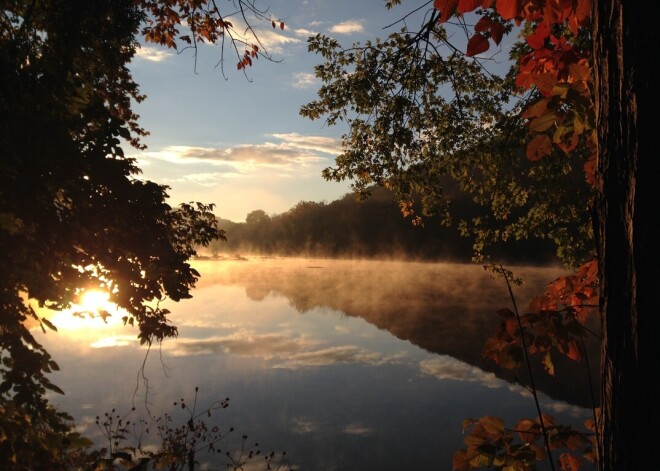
x=88 y=313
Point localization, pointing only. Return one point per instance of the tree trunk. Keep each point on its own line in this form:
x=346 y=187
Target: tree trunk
x=625 y=49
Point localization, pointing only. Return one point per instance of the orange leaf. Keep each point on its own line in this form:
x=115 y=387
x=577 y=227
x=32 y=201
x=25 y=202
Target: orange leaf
x=465 y=6
x=446 y=7
x=590 y=171
x=590 y=425
x=492 y=425
x=566 y=139
x=477 y=44
x=508 y=9
x=579 y=70
x=574 y=351
x=543 y=122
x=528 y=430
x=582 y=11
x=459 y=461
x=539 y=147
x=546 y=83
x=569 y=462
x=548 y=366
x=536 y=109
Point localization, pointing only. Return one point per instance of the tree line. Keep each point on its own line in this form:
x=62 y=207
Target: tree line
x=351 y=227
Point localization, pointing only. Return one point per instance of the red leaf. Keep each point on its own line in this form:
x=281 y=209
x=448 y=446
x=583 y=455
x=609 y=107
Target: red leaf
x=537 y=40
x=484 y=24
x=496 y=32
x=545 y=82
x=465 y=6
x=477 y=44
x=446 y=7
x=508 y=9
x=281 y=24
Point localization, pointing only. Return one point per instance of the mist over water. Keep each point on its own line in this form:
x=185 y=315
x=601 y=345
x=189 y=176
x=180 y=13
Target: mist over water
x=345 y=364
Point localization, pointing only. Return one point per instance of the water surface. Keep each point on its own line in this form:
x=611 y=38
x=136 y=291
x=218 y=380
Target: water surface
x=345 y=365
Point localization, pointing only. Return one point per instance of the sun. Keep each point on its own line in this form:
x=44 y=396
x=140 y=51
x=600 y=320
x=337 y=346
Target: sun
x=90 y=311
x=94 y=301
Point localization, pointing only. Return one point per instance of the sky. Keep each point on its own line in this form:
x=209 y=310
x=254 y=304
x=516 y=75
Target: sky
x=239 y=142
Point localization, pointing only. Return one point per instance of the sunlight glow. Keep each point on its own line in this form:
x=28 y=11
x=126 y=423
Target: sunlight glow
x=90 y=312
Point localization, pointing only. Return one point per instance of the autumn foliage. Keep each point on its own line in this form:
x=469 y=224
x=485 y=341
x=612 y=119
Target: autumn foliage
x=555 y=71
x=206 y=23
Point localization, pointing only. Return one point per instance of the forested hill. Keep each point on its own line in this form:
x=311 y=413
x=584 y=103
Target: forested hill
x=373 y=228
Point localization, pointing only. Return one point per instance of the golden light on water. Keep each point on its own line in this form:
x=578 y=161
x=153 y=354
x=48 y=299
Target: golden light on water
x=93 y=322
x=93 y=310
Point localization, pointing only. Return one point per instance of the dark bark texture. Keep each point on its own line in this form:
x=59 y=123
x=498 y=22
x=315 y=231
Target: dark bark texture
x=626 y=92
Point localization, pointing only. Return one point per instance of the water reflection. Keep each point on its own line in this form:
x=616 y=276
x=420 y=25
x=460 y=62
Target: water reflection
x=345 y=365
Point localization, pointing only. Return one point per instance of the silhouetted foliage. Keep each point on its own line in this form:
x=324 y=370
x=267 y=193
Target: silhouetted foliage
x=366 y=228
x=74 y=216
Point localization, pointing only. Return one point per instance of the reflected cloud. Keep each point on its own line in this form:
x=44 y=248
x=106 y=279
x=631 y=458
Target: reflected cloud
x=286 y=351
x=445 y=367
x=358 y=429
x=302 y=426
x=564 y=408
x=113 y=342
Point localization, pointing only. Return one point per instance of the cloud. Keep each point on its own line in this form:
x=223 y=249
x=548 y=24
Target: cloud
x=292 y=151
x=304 y=80
x=152 y=54
x=348 y=27
x=269 y=40
x=209 y=179
x=325 y=145
x=274 y=40
x=305 y=33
